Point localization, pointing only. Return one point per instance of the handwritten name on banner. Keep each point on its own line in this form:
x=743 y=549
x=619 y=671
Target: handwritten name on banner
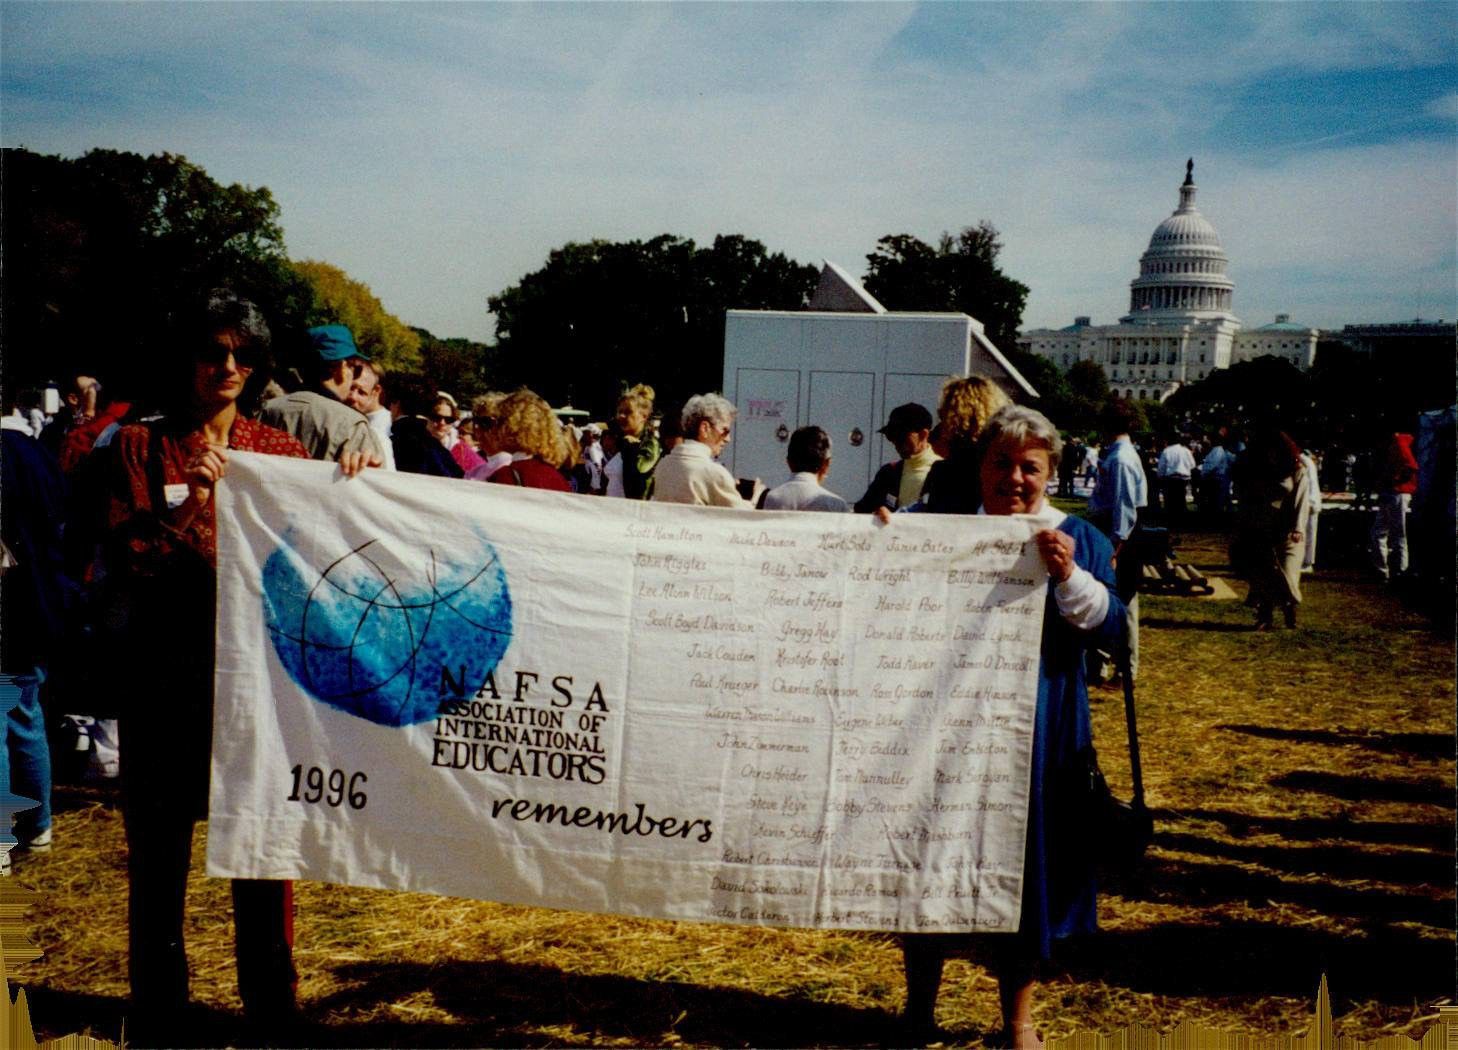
x=681 y=712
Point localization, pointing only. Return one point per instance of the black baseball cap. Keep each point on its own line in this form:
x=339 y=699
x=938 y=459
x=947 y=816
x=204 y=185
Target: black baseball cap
x=907 y=418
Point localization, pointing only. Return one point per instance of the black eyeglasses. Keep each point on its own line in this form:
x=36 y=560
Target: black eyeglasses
x=443 y=419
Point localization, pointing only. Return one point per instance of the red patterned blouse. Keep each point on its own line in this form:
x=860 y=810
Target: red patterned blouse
x=151 y=464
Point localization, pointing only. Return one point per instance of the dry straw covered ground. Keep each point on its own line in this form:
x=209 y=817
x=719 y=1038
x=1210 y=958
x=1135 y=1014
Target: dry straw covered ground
x=1303 y=784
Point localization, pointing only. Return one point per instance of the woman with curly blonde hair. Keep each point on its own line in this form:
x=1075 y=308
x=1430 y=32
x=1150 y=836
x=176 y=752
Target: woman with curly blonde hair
x=968 y=402
x=484 y=409
x=638 y=448
x=526 y=427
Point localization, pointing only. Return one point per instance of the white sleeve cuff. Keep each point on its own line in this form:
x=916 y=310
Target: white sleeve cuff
x=1082 y=600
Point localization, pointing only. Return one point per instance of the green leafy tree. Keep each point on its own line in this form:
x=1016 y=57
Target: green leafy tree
x=1046 y=377
x=960 y=273
x=1087 y=379
x=1363 y=397
x=340 y=299
x=1262 y=391
x=1160 y=419
x=1075 y=399
x=100 y=250
x=460 y=367
x=600 y=315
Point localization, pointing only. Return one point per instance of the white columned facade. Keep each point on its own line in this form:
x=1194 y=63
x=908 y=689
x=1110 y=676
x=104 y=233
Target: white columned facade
x=1179 y=327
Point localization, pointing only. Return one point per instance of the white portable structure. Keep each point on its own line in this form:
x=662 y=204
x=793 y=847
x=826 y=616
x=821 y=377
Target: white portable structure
x=843 y=371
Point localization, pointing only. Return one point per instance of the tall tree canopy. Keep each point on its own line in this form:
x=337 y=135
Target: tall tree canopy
x=340 y=299
x=603 y=314
x=1349 y=397
x=99 y=250
x=460 y=367
x=960 y=273
x=1263 y=390
x=1088 y=379
x=1078 y=398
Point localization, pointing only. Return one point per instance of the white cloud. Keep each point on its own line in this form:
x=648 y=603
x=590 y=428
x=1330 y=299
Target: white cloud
x=1445 y=106
x=439 y=152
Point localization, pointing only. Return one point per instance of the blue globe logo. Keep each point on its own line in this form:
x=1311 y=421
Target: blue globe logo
x=376 y=643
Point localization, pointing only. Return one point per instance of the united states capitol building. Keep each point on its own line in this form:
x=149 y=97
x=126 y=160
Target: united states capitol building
x=1180 y=323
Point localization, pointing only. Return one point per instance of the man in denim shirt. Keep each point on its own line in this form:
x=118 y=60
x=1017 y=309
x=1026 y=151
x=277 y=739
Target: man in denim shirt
x=1114 y=507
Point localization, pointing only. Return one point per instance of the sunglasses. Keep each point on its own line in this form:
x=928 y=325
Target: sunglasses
x=442 y=419
x=244 y=357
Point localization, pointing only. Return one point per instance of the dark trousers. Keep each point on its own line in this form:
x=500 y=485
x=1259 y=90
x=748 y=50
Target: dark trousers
x=1128 y=571
x=1173 y=491
x=159 y=850
x=165 y=733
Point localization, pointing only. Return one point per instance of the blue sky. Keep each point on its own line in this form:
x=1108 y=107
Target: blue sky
x=438 y=152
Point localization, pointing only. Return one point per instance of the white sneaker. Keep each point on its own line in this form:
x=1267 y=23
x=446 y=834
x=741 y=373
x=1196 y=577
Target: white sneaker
x=41 y=843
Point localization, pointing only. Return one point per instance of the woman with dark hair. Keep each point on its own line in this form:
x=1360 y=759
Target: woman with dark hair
x=444 y=424
x=416 y=433
x=161 y=557
x=1274 y=498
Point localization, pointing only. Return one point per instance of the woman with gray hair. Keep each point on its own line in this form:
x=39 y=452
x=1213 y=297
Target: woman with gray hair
x=1018 y=451
x=690 y=473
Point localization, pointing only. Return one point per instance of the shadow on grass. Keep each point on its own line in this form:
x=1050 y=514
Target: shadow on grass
x=1202 y=885
x=1403 y=833
x=499 y=1004
x=1357 y=788
x=57 y=1013
x=66 y=798
x=1425 y=745
x=1342 y=862
x=1164 y=623
x=1263 y=959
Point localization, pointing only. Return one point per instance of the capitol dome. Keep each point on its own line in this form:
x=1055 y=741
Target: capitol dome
x=1182 y=275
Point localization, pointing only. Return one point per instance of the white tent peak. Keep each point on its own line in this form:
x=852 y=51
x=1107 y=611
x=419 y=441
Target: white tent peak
x=839 y=292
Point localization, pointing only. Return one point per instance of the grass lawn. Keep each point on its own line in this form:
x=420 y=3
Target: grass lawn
x=1303 y=787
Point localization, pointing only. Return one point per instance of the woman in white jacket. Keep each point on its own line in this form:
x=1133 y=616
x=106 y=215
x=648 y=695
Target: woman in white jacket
x=691 y=472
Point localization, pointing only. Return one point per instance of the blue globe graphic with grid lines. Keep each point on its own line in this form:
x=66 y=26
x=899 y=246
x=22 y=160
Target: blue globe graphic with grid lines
x=369 y=637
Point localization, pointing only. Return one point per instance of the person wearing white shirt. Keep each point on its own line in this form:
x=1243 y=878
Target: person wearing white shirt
x=690 y=473
x=1176 y=464
x=365 y=396
x=1313 y=512
x=18 y=420
x=809 y=460
x=612 y=477
x=594 y=459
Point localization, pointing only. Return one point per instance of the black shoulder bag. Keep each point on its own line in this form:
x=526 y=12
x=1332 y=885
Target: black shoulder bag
x=1115 y=833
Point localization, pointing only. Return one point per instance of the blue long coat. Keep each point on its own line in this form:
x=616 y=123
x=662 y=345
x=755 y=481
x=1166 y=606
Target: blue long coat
x=1058 y=876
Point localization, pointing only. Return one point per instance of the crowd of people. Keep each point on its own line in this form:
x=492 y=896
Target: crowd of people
x=1267 y=489
x=109 y=510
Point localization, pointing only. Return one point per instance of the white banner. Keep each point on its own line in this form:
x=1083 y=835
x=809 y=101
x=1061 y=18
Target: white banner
x=767 y=718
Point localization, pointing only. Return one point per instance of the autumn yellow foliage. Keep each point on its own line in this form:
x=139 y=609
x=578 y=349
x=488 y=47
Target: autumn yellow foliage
x=340 y=299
